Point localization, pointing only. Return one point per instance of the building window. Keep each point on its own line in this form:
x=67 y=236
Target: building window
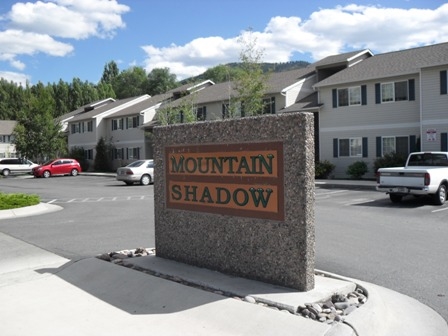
x=88 y=154
x=225 y=111
x=401 y=91
x=392 y=144
x=118 y=153
x=201 y=113
x=269 y=105
x=349 y=96
x=132 y=122
x=351 y=147
x=117 y=124
x=75 y=128
x=90 y=126
x=354 y=94
x=397 y=91
x=6 y=138
x=133 y=153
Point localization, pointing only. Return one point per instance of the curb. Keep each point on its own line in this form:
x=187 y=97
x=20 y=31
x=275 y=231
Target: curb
x=32 y=210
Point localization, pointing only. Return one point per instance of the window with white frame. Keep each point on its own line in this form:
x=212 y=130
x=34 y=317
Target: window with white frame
x=394 y=91
x=354 y=95
x=132 y=122
x=117 y=124
x=395 y=144
x=350 y=147
x=349 y=96
x=134 y=153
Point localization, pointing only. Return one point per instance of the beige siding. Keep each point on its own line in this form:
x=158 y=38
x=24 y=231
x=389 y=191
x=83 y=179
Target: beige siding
x=296 y=92
x=365 y=121
x=434 y=109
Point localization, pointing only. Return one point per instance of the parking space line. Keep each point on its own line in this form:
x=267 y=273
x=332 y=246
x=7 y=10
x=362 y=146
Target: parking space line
x=333 y=192
x=438 y=210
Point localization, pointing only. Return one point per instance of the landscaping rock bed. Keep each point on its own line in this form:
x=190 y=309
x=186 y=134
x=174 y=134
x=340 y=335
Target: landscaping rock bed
x=330 y=311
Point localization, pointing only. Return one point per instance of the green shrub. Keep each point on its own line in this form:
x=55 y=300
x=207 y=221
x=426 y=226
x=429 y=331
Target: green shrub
x=103 y=157
x=77 y=153
x=323 y=169
x=357 y=169
x=390 y=160
x=13 y=201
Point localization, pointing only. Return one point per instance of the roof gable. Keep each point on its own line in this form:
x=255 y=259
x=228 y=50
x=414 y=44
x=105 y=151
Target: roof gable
x=109 y=108
x=392 y=64
x=7 y=126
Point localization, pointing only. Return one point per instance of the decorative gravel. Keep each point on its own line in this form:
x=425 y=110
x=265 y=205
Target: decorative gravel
x=330 y=311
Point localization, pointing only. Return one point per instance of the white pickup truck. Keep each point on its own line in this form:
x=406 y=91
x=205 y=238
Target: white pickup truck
x=425 y=173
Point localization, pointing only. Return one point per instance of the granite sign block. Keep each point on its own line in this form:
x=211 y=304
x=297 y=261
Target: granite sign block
x=237 y=196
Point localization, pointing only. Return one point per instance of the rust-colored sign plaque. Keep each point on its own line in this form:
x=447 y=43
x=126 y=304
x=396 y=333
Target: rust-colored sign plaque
x=243 y=179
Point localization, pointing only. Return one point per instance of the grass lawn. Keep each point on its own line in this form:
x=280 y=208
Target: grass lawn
x=13 y=201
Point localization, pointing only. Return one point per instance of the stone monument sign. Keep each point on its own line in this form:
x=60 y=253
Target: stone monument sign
x=237 y=196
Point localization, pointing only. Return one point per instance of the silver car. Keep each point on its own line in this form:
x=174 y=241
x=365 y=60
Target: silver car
x=141 y=171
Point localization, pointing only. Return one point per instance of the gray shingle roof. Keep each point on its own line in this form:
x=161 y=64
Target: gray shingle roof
x=102 y=109
x=308 y=103
x=340 y=58
x=143 y=105
x=391 y=64
x=82 y=108
x=278 y=81
x=7 y=126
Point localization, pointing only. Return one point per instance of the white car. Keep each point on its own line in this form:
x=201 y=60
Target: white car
x=141 y=171
x=16 y=166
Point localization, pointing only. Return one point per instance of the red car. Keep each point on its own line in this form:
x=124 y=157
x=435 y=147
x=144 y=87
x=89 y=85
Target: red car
x=58 y=167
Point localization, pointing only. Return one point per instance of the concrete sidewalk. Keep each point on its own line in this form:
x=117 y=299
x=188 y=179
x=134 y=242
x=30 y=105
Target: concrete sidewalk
x=42 y=294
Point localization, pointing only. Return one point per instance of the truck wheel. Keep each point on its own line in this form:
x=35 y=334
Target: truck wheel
x=440 y=195
x=395 y=198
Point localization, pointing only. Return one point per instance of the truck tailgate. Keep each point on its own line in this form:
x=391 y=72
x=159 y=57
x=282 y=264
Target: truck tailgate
x=402 y=178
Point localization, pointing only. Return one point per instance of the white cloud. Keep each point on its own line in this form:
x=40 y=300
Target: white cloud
x=34 y=27
x=77 y=19
x=326 y=32
x=194 y=57
x=16 y=42
x=18 y=78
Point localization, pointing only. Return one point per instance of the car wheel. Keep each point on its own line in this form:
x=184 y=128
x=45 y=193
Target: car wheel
x=5 y=172
x=440 y=195
x=46 y=174
x=395 y=198
x=74 y=172
x=145 y=180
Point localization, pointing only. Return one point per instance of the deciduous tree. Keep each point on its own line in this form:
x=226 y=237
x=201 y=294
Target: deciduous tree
x=160 y=80
x=250 y=83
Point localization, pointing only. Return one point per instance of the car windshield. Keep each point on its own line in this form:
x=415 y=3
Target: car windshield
x=135 y=164
x=47 y=163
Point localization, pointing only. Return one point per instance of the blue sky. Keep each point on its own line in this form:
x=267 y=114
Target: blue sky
x=49 y=40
